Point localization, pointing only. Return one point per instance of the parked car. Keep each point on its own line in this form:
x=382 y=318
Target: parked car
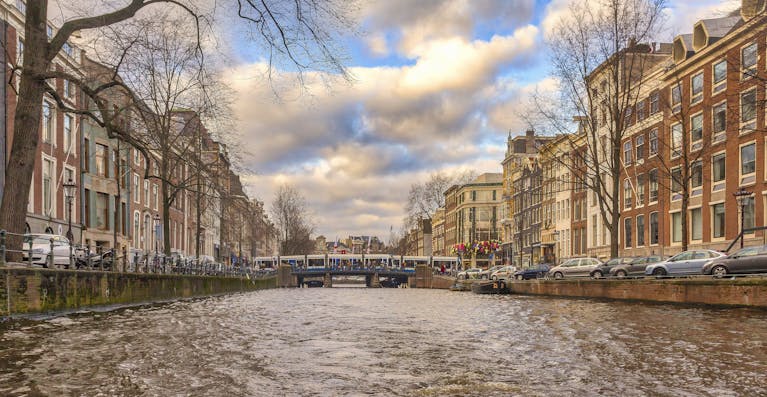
x=603 y=269
x=469 y=273
x=635 y=267
x=745 y=260
x=575 y=267
x=485 y=274
x=504 y=273
x=687 y=262
x=539 y=271
x=41 y=248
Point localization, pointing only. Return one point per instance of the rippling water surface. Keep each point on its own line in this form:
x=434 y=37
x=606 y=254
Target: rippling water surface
x=356 y=341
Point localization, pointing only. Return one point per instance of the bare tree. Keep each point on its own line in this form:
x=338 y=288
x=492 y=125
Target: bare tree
x=425 y=198
x=300 y=33
x=600 y=67
x=292 y=220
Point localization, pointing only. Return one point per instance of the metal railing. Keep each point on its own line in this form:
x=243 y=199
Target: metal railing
x=58 y=253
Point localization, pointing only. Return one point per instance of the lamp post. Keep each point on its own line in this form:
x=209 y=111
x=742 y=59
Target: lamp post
x=69 y=193
x=156 y=235
x=741 y=196
x=556 y=242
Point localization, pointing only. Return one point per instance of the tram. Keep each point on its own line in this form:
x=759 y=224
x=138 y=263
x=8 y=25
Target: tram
x=264 y=262
x=410 y=262
x=377 y=261
x=295 y=261
x=316 y=262
x=345 y=261
x=450 y=262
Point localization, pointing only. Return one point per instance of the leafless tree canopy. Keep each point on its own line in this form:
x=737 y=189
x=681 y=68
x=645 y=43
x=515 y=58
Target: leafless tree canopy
x=293 y=221
x=599 y=58
x=425 y=198
x=299 y=36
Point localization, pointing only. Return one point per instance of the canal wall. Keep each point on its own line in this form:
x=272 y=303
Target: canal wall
x=750 y=292
x=31 y=290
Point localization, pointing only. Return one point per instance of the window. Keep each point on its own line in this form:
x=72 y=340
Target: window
x=21 y=5
x=627 y=152
x=696 y=127
x=676 y=98
x=640 y=230
x=20 y=52
x=68 y=133
x=720 y=76
x=696 y=223
x=654 y=141
x=640 y=189
x=697 y=88
x=748 y=213
x=48 y=173
x=102 y=211
x=748 y=58
x=653 y=103
x=747 y=158
x=627 y=232
x=473 y=195
x=720 y=118
x=136 y=157
x=87 y=154
x=676 y=179
x=717 y=211
x=136 y=189
x=654 y=228
x=718 y=167
x=101 y=160
x=676 y=227
x=640 y=147
x=696 y=177
x=641 y=110
x=627 y=194
x=676 y=140
x=49 y=31
x=47 y=122
x=155 y=197
x=653 y=176
x=66 y=88
x=146 y=192
x=627 y=116
x=748 y=109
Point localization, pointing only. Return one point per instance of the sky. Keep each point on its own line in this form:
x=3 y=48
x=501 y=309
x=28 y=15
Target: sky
x=438 y=86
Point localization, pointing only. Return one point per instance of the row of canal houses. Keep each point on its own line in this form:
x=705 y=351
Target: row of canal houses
x=693 y=159
x=114 y=205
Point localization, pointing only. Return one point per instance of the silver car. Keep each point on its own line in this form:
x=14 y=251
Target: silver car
x=687 y=262
x=575 y=267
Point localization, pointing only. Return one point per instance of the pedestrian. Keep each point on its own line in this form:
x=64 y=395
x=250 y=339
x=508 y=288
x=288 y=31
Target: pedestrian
x=442 y=269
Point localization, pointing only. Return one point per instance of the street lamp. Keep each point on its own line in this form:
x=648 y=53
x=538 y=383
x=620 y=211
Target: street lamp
x=156 y=229
x=69 y=193
x=741 y=196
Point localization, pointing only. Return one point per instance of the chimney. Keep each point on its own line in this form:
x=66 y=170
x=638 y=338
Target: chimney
x=751 y=8
x=530 y=132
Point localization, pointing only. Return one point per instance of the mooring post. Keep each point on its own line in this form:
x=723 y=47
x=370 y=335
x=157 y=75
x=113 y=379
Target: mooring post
x=2 y=248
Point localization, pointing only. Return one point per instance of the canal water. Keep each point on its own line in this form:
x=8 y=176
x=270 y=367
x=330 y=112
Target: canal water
x=388 y=342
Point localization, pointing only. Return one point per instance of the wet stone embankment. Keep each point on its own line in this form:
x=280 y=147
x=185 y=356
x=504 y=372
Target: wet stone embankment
x=34 y=290
x=742 y=291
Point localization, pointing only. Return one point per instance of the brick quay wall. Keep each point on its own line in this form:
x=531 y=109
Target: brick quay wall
x=744 y=291
x=38 y=291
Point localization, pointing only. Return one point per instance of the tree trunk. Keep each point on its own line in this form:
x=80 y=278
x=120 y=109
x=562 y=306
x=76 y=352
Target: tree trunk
x=166 y=202
x=198 y=215
x=26 y=129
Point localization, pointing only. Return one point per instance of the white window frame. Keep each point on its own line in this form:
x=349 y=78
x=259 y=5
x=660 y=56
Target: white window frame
x=54 y=179
x=713 y=215
x=636 y=232
x=136 y=189
x=696 y=144
x=717 y=86
x=52 y=131
x=718 y=185
x=675 y=106
x=749 y=125
x=696 y=98
x=718 y=136
x=676 y=147
x=749 y=178
x=751 y=71
x=691 y=226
